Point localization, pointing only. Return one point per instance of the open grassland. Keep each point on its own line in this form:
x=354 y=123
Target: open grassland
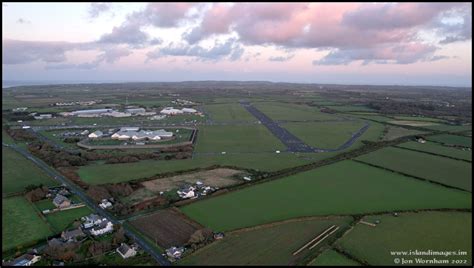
x=435 y=148
x=327 y=135
x=412 y=123
x=346 y=187
x=255 y=138
x=18 y=172
x=229 y=112
x=6 y=138
x=436 y=231
x=419 y=118
x=350 y=108
x=397 y=132
x=288 y=111
x=266 y=245
x=455 y=128
x=452 y=140
x=435 y=168
x=21 y=224
x=112 y=173
x=62 y=219
x=332 y=258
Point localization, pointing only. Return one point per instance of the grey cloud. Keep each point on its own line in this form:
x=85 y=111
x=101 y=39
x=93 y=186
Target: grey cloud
x=80 y=66
x=126 y=34
x=281 y=58
x=18 y=52
x=96 y=9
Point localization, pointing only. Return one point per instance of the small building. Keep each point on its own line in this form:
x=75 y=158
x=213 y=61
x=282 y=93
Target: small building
x=19 y=109
x=158 y=117
x=246 y=178
x=175 y=252
x=125 y=251
x=420 y=140
x=103 y=228
x=171 y=111
x=25 y=260
x=43 y=116
x=92 y=220
x=218 y=235
x=189 y=110
x=60 y=201
x=105 y=204
x=96 y=134
x=122 y=129
x=85 y=132
x=72 y=234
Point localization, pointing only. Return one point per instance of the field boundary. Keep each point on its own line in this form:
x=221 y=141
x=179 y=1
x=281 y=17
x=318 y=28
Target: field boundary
x=435 y=154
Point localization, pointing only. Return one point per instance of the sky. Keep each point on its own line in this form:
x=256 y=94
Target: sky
x=338 y=43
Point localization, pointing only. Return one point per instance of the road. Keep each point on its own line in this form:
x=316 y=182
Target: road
x=293 y=143
x=80 y=193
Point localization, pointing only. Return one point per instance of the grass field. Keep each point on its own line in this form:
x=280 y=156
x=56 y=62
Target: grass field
x=332 y=258
x=229 y=112
x=21 y=224
x=44 y=204
x=436 y=231
x=255 y=138
x=452 y=140
x=419 y=118
x=346 y=187
x=18 y=172
x=288 y=111
x=443 y=127
x=6 y=138
x=397 y=132
x=350 y=108
x=272 y=245
x=327 y=135
x=108 y=173
x=435 y=148
x=440 y=169
x=62 y=219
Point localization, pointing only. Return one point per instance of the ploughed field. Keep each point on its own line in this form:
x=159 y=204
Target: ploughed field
x=342 y=188
x=430 y=167
x=271 y=244
x=436 y=231
x=166 y=227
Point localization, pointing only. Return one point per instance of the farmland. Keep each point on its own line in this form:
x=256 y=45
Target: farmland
x=436 y=231
x=397 y=132
x=230 y=112
x=166 y=227
x=331 y=257
x=62 y=219
x=18 y=172
x=265 y=245
x=21 y=224
x=439 y=169
x=289 y=197
x=286 y=111
x=435 y=148
x=452 y=140
x=236 y=139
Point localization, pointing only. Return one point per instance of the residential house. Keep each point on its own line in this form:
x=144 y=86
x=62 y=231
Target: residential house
x=171 y=111
x=96 y=134
x=25 y=260
x=105 y=204
x=175 y=252
x=72 y=235
x=92 y=220
x=103 y=228
x=125 y=251
x=218 y=235
x=61 y=201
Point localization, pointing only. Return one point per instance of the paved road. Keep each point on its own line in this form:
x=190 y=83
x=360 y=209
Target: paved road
x=293 y=143
x=79 y=192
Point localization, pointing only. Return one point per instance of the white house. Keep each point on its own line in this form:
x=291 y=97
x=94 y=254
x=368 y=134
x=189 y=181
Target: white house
x=92 y=220
x=189 y=110
x=25 y=260
x=102 y=228
x=105 y=204
x=171 y=111
x=175 y=252
x=96 y=134
x=125 y=251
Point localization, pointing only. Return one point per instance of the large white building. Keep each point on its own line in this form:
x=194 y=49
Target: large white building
x=132 y=133
x=171 y=111
x=91 y=112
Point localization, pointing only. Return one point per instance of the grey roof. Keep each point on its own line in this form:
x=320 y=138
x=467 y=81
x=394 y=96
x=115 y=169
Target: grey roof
x=92 y=111
x=59 y=199
x=98 y=133
x=73 y=233
x=94 y=217
x=124 y=248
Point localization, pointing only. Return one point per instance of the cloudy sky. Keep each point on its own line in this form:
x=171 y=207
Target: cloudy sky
x=344 y=43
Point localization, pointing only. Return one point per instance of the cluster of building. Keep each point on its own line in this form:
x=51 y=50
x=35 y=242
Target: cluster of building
x=82 y=103
x=19 y=109
x=182 y=102
x=96 y=225
x=24 y=260
x=174 y=111
x=105 y=204
x=134 y=133
x=109 y=112
x=194 y=191
x=41 y=116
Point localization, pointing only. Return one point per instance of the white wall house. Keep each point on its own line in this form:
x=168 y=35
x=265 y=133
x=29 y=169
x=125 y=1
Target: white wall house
x=103 y=228
x=96 y=134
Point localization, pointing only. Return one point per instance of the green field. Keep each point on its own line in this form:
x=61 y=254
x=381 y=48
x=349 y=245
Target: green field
x=346 y=187
x=350 y=108
x=255 y=138
x=397 y=132
x=435 y=148
x=21 y=224
x=452 y=128
x=436 y=231
x=6 y=138
x=288 y=111
x=110 y=173
x=435 y=168
x=229 y=112
x=327 y=135
x=62 y=219
x=452 y=140
x=332 y=258
x=271 y=245
x=18 y=172
x=44 y=204
x=419 y=118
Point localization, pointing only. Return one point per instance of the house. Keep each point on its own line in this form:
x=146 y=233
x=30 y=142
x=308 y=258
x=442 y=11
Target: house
x=55 y=242
x=189 y=110
x=186 y=192
x=61 y=201
x=218 y=235
x=85 y=132
x=420 y=140
x=125 y=251
x=64 y=192
x=247 y=178
x=157 y=117
x=72 y=234
x=105 y=204
x=92 y=220
x=103 y=228
x=96 y=134
x=25 y=260
x=19 y=109
x=175 y=252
